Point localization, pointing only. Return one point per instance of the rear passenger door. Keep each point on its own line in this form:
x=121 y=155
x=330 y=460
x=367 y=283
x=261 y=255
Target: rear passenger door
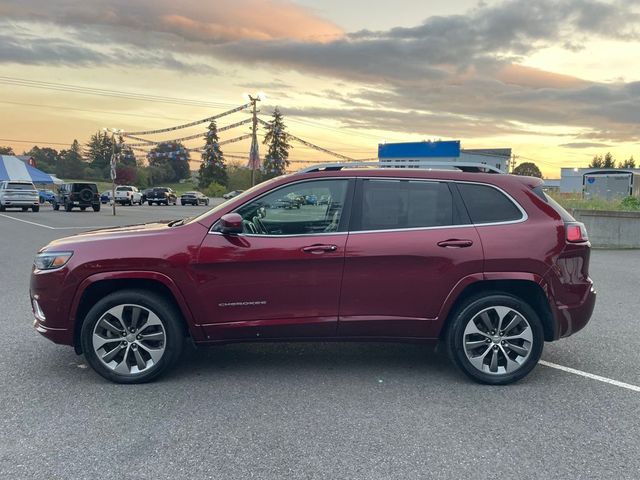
x=410 y=242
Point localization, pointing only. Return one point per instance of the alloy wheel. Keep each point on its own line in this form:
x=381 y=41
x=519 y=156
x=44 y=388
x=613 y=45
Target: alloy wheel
x=498 y=340
x=129 y=339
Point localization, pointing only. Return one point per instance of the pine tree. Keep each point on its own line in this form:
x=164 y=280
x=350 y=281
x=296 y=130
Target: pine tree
x=630 y=163
x=597 y=162
x=276 y=161
x=99 y=150
x=213 y=168
x=70 y=163
x=609 y=161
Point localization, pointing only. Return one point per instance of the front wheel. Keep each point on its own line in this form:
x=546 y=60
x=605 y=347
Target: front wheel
x=132 y=336
x=495 y=339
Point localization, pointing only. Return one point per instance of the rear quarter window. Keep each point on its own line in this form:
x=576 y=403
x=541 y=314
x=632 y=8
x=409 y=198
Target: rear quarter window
x=487 y=204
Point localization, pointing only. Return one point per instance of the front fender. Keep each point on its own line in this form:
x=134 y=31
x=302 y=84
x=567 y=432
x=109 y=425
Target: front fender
x=194 y=328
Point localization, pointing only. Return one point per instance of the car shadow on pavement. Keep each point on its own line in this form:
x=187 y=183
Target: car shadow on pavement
x=309 y=358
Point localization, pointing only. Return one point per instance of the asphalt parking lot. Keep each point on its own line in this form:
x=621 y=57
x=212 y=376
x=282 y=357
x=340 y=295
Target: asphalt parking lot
x=334 y=411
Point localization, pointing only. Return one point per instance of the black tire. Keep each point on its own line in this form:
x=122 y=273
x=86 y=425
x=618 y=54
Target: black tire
x=56 y=207
x=455 y=336
x=35 y=208
x=2 y=208
x=169 y=316
x=96 y=208
x=67 y=206
x=150 y=203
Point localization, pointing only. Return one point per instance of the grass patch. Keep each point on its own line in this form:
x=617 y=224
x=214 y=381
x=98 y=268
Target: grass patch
x=578 y=202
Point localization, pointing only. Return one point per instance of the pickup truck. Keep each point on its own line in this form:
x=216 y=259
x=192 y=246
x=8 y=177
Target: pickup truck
x=128 y=195
x=21 y=195
x=162 y=196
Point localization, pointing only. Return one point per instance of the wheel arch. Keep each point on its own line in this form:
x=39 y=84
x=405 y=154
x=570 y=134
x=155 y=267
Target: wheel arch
x=530 y=288
x=99 y=285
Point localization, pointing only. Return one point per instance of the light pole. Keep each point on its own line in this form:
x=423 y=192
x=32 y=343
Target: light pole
x=113 y=132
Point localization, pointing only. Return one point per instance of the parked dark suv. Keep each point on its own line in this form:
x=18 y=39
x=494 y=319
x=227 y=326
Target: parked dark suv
x=81 y=195
x=485 y=263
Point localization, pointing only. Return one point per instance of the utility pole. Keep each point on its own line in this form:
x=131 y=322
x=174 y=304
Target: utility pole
x=512 y=163
x=254 y=155
x=113 y=165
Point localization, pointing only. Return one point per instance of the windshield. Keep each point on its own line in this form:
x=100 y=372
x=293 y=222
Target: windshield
x=20 y=186
x=124 y=189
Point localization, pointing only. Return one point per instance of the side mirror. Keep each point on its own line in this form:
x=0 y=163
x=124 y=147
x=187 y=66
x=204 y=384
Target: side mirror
x=231 y=224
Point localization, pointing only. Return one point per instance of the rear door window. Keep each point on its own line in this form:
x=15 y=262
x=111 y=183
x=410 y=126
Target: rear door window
x=487 y=204
x=390 y=204
x=20 y=186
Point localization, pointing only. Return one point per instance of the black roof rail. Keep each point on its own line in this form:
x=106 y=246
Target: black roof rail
x=426 y=165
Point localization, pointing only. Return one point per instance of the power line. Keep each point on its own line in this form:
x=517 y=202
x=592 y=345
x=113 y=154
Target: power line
x=101 y=92
x=32 y=141
x=108 y=112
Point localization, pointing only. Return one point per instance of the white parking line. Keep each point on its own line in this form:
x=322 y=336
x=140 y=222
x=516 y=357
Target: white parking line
x=628 y=386
x=52 y=228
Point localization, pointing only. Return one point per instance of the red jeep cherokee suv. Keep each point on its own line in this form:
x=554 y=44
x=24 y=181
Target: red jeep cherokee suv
x=486 y=263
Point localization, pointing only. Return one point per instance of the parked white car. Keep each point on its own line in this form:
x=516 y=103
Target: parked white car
x=128 y=195
x=19 y=195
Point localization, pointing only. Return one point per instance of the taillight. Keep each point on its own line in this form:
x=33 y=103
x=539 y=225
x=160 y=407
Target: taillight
x=576 y=232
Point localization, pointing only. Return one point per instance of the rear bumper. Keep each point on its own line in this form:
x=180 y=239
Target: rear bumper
x=21 y=202
x=572 y=318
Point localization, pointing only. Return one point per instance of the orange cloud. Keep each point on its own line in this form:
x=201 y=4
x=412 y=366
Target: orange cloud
x=524 y=76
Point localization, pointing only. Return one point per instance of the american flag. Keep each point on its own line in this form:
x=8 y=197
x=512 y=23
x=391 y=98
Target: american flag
x=254 y=155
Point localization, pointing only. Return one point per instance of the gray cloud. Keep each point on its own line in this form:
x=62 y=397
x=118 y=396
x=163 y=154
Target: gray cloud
x=26 y=48
x=445 y=75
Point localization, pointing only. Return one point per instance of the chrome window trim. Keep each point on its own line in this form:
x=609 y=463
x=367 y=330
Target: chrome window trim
x=306 y=180
x=523 y=219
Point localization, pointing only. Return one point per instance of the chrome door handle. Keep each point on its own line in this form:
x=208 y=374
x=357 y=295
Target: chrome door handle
x=455 y=243
x=317 y=249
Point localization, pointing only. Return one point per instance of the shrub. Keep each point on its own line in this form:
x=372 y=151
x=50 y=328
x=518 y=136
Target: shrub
x=630 y=203
x=214 y=190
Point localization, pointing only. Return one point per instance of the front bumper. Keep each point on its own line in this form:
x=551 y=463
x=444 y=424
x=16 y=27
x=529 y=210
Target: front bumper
x=61 y=336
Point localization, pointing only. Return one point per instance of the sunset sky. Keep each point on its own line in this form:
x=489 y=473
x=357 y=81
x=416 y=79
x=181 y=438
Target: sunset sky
x=556 y=80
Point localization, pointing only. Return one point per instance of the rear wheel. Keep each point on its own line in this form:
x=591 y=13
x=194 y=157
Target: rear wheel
x=495 y=338
x=132 y=336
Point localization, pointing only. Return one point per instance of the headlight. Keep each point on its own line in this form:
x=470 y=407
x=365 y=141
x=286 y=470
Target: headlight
x=51 y=260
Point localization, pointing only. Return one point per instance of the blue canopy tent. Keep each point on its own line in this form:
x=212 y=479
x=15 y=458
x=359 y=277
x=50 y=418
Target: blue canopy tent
x=14 y=169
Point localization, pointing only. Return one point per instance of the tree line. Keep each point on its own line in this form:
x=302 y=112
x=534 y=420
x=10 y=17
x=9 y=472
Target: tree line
x=166 y=162
x=607 y=161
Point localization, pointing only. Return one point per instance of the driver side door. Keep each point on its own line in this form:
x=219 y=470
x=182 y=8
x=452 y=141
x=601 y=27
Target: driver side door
x=281 y=277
